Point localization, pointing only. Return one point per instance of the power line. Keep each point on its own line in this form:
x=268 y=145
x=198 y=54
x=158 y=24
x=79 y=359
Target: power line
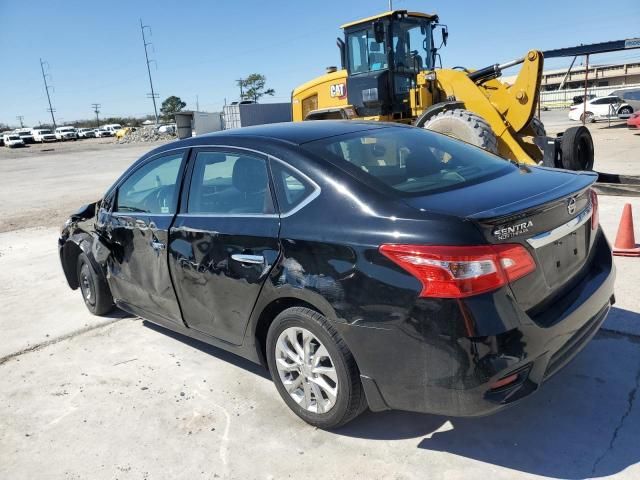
x=20 y=118
x=153 y=95
x=96 y=108
x=46 y=88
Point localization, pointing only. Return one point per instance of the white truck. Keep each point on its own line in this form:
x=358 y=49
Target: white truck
x=25 y=134
x=66 y=133
x=112 y=128
x=43 y=135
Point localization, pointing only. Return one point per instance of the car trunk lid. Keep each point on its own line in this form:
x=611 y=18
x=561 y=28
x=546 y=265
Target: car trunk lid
x=546 y=211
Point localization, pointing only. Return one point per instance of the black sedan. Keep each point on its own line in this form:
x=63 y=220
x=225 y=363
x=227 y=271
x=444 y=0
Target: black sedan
x=366 y=264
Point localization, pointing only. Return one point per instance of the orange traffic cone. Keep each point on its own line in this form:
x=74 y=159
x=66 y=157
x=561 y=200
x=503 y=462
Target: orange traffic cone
x=625 y=245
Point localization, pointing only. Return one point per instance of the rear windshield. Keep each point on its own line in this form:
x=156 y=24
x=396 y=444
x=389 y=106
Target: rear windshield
x=410 y=161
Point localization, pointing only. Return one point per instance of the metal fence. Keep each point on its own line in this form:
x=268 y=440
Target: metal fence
x=563 y=98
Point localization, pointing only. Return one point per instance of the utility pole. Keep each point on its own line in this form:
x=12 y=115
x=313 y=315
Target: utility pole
x=197 y=104
x=46 y=88
x=390 y=5
x=20 y=118
x=153 y=94
x=96 y=108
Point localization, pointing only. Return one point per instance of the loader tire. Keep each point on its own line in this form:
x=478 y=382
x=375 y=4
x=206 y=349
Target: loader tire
x=538 y=127
x=577 y=149
x=466 y=126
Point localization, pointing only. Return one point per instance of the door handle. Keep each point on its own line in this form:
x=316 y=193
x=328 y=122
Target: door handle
x=157 y=245
x=253 y=259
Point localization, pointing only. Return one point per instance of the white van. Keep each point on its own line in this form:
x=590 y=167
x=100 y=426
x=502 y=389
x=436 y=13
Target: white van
x=12 y=140
x=43 y=135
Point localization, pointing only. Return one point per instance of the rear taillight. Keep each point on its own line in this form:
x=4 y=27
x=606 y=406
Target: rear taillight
x=457 y=272
x=595 y=219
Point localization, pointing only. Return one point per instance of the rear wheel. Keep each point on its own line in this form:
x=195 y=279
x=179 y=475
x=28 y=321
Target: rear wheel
x=577 y=149
x=313 y=369
x=93 y=286
x=587 y=117
x=625 y=111
x=466 y=126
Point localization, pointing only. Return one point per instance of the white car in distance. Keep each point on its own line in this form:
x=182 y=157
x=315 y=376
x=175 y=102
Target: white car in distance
x=12 y=140
x=43 y=135
x=601 y=108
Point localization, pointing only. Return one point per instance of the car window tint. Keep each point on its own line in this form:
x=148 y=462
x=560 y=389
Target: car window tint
x=229 y=183
x=291 y=188
x=410 y=161
x=152 y=187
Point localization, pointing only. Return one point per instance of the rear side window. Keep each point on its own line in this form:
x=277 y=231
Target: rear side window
x=409 y=161
x=229 y=184
x=292 y=189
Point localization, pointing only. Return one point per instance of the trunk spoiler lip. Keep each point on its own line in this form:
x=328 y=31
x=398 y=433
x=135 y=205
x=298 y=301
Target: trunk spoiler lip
x=579 y=182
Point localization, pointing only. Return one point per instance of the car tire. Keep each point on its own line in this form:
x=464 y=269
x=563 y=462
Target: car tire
x=333 y=373
x=577 y=149
x=587 y=117
x=625 y=110
x=93 y=287
x=466 y=126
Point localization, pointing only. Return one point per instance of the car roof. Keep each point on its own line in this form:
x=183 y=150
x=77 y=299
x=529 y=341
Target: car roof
x=291 y=132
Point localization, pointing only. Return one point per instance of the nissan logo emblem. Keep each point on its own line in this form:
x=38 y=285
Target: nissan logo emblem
x=571 y=207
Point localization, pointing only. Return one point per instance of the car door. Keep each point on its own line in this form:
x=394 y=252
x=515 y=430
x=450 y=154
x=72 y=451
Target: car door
x=137 y=231
x=224 y=240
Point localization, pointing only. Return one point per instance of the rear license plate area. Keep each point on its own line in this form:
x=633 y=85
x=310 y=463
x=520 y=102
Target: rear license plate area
x=561 y=259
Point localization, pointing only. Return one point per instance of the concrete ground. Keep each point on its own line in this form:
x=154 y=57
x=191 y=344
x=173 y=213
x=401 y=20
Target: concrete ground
x=83 y=397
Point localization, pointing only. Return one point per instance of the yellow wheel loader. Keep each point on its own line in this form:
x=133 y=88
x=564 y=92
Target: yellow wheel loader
x=389 y=74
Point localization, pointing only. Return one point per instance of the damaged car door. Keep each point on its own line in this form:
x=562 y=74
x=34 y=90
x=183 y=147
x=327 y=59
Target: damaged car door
x=137 y=230
x=224 y=240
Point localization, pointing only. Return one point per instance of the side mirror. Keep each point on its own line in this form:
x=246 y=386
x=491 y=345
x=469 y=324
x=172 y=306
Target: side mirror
x=445 y=36
x=378 y=32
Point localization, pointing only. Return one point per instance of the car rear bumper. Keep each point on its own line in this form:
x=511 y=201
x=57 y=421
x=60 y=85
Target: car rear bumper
x=425 y=367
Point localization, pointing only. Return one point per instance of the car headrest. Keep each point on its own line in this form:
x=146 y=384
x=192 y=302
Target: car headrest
x=422 y=164
x=249 y=175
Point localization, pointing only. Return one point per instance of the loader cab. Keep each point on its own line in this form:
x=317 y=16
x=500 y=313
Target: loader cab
x=382 y=56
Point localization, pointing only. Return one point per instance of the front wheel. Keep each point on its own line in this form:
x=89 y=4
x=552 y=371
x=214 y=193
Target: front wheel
x=313 y=369
x=587 y=117
x=93 y=286
x=466 y=126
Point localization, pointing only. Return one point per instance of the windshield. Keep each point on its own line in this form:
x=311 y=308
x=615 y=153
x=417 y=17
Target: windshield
x=409 y=161
x=412 y=45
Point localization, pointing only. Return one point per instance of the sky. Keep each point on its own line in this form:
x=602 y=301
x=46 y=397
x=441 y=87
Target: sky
x=94 y=50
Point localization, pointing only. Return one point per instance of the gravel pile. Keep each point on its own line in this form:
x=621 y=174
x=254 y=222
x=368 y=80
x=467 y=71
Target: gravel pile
x=145 y=134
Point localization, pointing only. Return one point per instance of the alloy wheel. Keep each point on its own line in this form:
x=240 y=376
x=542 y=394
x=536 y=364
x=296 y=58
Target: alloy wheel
x=306 y=370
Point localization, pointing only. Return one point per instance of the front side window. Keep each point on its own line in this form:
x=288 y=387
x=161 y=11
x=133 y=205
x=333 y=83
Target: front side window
x=152 y=188
x=365 y=54
x=229 y=183
x=409 y=161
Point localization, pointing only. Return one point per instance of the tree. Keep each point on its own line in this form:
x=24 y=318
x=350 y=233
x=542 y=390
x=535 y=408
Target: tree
x=252 y=87
x=171 y=106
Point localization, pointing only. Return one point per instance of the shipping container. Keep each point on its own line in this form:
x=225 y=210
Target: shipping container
x=239 y=115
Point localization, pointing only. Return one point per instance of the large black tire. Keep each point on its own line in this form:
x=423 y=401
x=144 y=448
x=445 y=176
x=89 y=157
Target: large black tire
x=93 y=286
x=577 y=149
x=350 y=399
x=466 y=126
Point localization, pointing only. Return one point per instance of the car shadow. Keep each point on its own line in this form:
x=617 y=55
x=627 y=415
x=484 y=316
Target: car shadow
x=568 y=429
x=211 y=350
